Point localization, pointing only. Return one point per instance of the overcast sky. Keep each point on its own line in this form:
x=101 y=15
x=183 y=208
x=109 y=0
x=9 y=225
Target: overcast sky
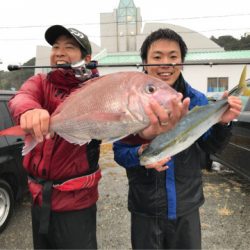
x=23 y=22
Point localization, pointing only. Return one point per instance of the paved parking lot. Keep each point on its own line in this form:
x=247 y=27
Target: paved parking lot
x=225 y=216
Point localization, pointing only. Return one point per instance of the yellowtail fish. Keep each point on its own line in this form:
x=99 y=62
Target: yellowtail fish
x=191 y=127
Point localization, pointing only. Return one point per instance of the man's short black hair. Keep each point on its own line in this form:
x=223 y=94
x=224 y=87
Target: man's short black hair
x=163 y=34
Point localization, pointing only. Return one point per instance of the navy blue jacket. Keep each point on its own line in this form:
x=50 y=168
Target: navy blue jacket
x=178 y=190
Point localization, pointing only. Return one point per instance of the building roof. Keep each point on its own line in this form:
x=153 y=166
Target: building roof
x=195 y=41
x=118 y=58
x=230 y=56
x=219 y=55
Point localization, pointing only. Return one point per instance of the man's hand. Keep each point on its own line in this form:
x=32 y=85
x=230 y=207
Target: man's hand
x=235 y=106
x=162 y=121
x=158 y=166
x=36 y=123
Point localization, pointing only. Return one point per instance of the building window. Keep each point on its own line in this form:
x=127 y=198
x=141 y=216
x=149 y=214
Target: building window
x=217 y=84
x=126 y=12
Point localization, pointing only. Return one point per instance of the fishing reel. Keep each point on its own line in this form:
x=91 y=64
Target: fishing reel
x=83 y=70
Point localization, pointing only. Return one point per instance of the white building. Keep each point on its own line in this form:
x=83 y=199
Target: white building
x=122 y=31
x=208 y=79
x=122 y=34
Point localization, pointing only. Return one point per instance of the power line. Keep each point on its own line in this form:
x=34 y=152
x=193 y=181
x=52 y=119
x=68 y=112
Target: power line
x=144 y=34
x=143 y=21
x=200 y=17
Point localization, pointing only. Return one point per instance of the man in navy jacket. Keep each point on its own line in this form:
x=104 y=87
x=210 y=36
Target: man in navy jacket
x=164 y=198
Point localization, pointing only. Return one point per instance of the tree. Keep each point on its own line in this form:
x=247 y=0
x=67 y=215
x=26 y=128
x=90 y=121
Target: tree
x=231 y=43
x=14 y=79
x=245 y=43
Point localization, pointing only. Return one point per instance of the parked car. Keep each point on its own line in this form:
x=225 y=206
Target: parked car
x=13 y=179
x=236 y=154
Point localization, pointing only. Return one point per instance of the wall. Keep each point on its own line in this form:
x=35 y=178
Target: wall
x=197 y=75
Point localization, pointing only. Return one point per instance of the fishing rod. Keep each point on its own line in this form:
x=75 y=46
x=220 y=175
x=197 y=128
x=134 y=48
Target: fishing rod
x=94 y=64
x=82 y=69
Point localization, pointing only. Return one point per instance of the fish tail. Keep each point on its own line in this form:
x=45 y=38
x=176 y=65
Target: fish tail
x=243 y=82
x=30 y=143
x=241 y=89
x=12 y=131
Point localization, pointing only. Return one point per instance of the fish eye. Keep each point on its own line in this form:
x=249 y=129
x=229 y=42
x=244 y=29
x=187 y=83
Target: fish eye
x=150 y=89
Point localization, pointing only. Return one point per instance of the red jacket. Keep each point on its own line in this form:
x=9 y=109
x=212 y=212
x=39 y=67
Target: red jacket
x=56 y=159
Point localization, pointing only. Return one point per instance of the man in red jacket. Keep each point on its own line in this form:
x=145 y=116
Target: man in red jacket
x=60 y=219
x=65 y=219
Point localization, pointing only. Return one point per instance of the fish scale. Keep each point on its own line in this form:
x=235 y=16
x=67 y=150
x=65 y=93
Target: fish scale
x=109 y=107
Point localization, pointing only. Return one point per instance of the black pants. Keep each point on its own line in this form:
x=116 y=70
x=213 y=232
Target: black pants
x=67 y=230
x=160 y=233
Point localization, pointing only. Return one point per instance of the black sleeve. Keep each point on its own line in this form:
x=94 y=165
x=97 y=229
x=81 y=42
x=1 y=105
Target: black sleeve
x=218 y=138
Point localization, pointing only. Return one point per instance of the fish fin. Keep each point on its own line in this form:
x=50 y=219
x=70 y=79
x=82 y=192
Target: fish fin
x=12 y=131
x=243 y=82
x=243 y=77
x=111 y=140
x=74 y=140
x=30 y=143
x=242 y=90
x=80 y=141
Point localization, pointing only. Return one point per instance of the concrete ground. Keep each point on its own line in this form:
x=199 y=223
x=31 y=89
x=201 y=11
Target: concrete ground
x=225 y=216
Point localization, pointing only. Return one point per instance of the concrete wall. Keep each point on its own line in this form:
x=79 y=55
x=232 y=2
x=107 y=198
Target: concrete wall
x=108 y=31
